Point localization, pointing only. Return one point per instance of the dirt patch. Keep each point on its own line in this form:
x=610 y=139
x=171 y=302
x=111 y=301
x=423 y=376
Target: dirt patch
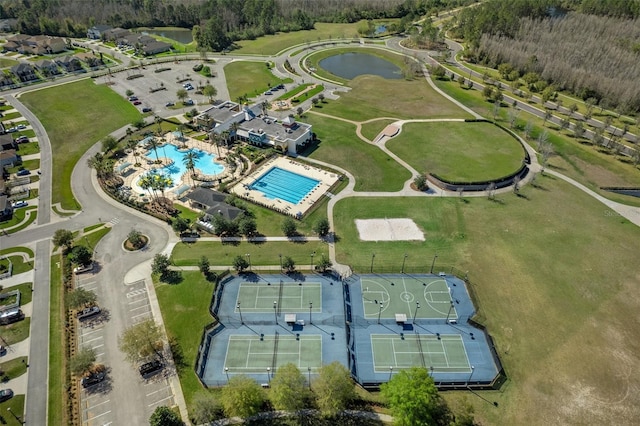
x=388 y=230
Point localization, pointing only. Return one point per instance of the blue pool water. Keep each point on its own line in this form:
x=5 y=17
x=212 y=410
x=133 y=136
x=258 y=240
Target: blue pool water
x=283 y=184
x=205 y=162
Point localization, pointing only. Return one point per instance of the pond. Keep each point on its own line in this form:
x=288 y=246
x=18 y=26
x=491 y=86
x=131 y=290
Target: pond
x=351 y=65
x=181 y=35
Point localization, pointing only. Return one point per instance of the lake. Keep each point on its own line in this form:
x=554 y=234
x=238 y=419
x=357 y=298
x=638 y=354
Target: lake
x=351 y=65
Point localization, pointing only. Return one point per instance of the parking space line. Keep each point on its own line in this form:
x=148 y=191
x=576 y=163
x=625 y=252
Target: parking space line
x=159 y=390
x=144 y=299
x=140 y=315
x=139 y=307
x=96 y=347
x=158 y=402
x=95 y=405
x=90 y=331
x=99 y=415
x=91 y=340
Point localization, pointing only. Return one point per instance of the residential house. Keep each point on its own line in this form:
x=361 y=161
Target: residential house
x=9 y=158
x=115 y=34
x=47 y=67
x=7 y=142
x=6 y=210
x=35 y=45
x=90 y=59
x=24 y=72
x=155 y=47
x=5 y=80
x=69 y=63
x=212 y=203
x=97 y=31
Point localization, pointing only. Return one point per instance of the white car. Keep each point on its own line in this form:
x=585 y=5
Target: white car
x=83 y=268
x=19 y=204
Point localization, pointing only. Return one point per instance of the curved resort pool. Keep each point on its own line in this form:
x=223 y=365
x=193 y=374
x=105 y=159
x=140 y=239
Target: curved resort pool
x=205 y=163
x=351 y=65
x=285 y=185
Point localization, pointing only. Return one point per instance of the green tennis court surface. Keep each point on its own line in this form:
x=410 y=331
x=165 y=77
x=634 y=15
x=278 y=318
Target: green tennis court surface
x=444 y=355
x=290 y=297
x=249 y=354
x=403 y=295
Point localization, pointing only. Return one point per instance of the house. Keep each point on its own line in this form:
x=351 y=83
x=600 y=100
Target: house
x=212 y=203
x=154 y=47
x=35 y=45
x=9 y=158
x=24 y=72
x=47 y=67
x=115 y=34
x=7 y=142
x=5 y=80
x=6 y=210
x=69 y=63
x=90 y=59
x=97 y=31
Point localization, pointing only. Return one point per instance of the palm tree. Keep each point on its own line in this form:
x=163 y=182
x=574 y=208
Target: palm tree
x=214 y=138
x=158 y=121
x=234 y=130
x=154 y=145
x=265 y=107
x=132 y=145
x=190 y=159
x=210 y=92
x=145 y=183
x=225 y=136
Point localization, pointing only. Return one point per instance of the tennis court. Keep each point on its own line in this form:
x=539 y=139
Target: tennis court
x=254 y=354
x=289 y=297
x=420 y=298
x=444 y=353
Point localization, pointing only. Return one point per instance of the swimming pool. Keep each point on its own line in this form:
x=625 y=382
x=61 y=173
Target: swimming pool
x=285 y=185
x=204 y=163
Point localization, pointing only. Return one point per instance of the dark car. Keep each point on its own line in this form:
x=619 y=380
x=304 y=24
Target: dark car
x=23 y=172
x=11 y=316
x=87 y=313
x=92 y=379
x=22 y=139
x=137 y=102
x=150 y=368
x=5 y=394
x=133 y=98
x=169 y=104
x=146 y=109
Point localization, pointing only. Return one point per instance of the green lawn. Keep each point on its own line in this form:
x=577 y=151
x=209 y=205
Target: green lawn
x=22 y=249
x=16 y=332
x=291 y=93
x=57 y=372
x=29 y=148
x=260 y=254
x=6 y=63
x=185 y=312
x=372 y=129
x=459 y=152
x=245 y=78
x=18 y=217
x=27 y=164
x=14 y=368
x=19 y=265
x=92 y=227
x=25 y=292
x=272 y=44
x=17 y=406
x=373 y=169
x=76 y=122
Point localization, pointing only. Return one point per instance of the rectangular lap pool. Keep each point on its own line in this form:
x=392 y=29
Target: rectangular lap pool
x=285 y=185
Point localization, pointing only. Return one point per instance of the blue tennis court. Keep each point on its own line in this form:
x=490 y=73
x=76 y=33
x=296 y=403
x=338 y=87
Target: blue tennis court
x=284 y=184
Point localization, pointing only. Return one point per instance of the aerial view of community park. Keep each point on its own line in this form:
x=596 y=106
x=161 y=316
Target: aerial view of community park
x=275 y=212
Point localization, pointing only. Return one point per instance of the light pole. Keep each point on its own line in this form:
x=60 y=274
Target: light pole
x=226 y=371
x=435 y=256
x=469 y=379
x=390 y=371
x=280 y=255
x=449 y=313
x=311 y=264
x=240 y=312
x=431 y=370
x=379 y=312
x=416 y=312
x=275 y=310
x=404 y=260
x=309 y=371
x=249 y=260
x=269 y=375
x=373 y=256
x=310 y=306
x=14 y=414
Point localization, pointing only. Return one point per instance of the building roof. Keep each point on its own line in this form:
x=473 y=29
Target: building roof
x=9 y=153
x=206 y=197
x=225 y=210
x=4 y=203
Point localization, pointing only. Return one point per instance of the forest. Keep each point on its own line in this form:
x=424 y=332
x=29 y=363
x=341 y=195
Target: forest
x=590 y=47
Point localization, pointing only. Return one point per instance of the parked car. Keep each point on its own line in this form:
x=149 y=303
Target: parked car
x=22 y=139
x=137 y=102
x=268 y=93
x=188 y=102
x=146 y=109
x=21 y=127
x=169 y=104
x=83 y=268
x=5 y=395
x=19 y=204
x=93 y=379
x=150 y=368
x=133 y=98
x=23 y=172
x=11 y=315
x=3 y=350
x=87 y=313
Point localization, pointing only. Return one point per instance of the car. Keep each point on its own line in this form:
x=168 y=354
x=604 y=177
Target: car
x=149 y=368
x=185 y=85
x=137 y=102
x=23 y=172
x=268 y=93
x=188 y=102
x=11 y=315
x=133 y=98
x=21 y=127
x=92 y=379
x=169 y=104
x=87 y=313
x=19 y=204
x=22 y=139
x=189 y=87
x=5 y=395
x=83 y=268
x=3 y=350
x=146 y=109
x=11 y=130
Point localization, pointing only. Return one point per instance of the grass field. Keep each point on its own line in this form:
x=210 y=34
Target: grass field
x=74 y=123
x=373 y=169
x=185 y=311
x=17 y=406
x=372 y=129
x=458 y=152
x=14 y=368
x=25 y=292
x=376 y=97
x=18 y=217
x=247 y=78
x=260 y=254
x=272 y=44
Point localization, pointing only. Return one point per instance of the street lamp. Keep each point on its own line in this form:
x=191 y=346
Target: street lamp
x=435 y=256
x=404 y=260
x=309 y=371
x=280 y=255
x=249 y=260
x=226 y=371
x=469 y=379
x=310 y=306
x=373 y=256
x=311 y=265
x=14 y=414
x=275 y=310
x=449 y=313
x=240 y=311
x=390 y=371
x=379 y=312
x=416 y=312
x=269 y=374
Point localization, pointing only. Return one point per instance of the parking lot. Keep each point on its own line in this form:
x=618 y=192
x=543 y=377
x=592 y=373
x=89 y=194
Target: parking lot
x=160 y=83
x=97 y=402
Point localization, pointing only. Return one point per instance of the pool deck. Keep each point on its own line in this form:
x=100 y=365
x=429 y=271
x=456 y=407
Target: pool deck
x=326 y=179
